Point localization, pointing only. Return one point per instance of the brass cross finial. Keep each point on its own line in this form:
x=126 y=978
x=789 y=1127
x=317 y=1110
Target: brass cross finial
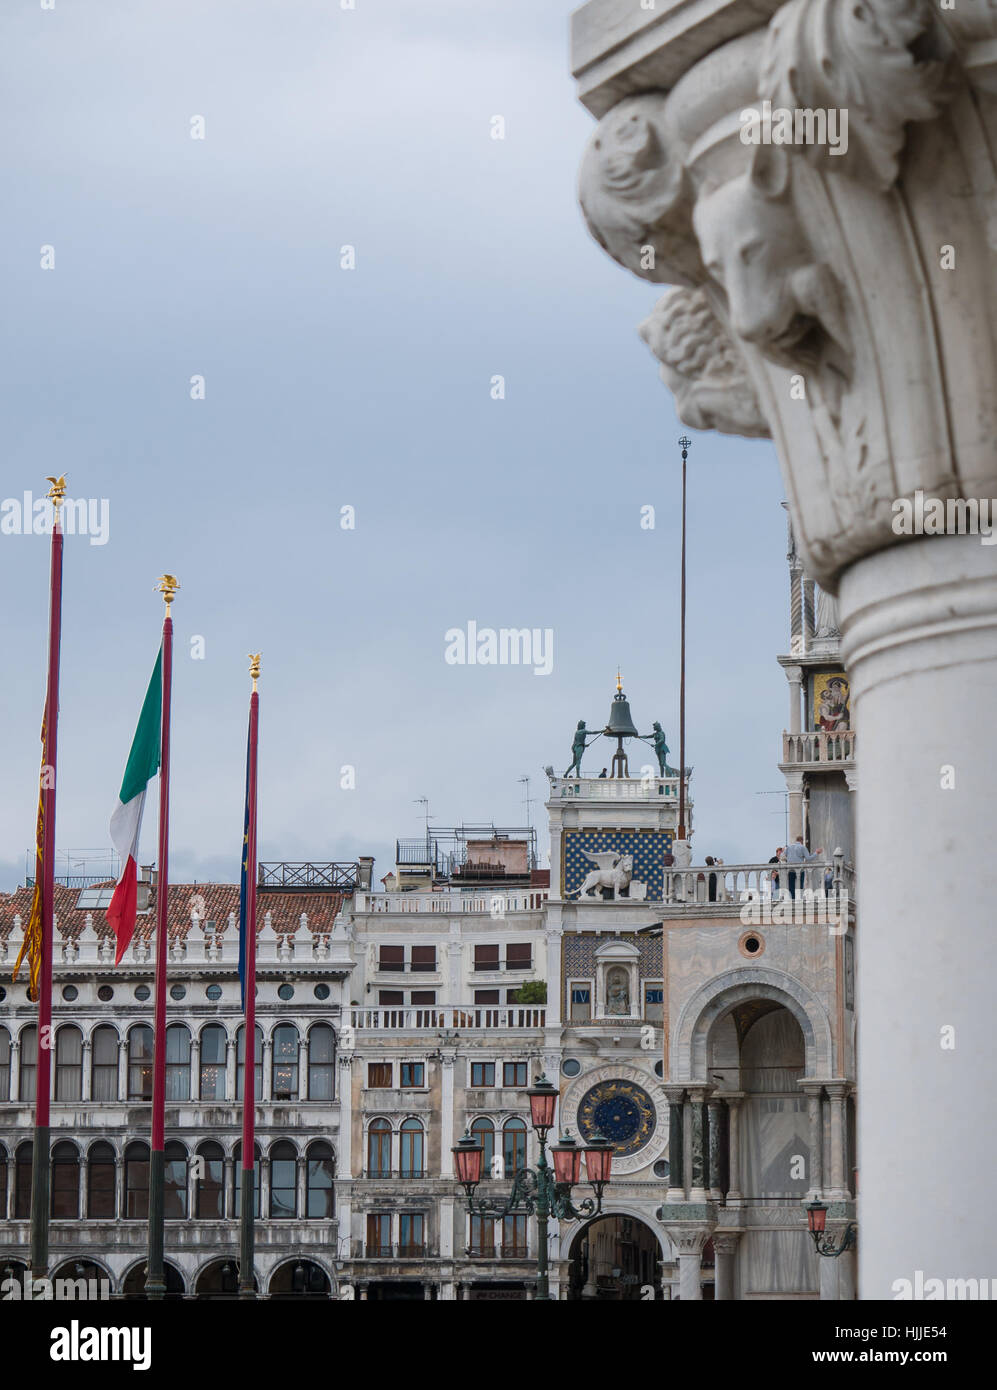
x=619 y=682
x=254 y=667
x=168 y=586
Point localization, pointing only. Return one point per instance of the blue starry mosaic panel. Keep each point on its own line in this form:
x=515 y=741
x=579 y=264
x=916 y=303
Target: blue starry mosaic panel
x=648 y=848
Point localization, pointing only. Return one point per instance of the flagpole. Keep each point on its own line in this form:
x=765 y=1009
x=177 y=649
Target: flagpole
x=685 y=444
x=155 y=1282
x=43 y=1083
x=247 y=1194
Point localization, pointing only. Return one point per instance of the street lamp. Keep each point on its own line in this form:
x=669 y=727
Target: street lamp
x=540 y=1191
x=816 y=1223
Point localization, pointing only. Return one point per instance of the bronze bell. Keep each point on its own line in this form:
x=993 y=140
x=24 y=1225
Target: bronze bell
x=621 y=724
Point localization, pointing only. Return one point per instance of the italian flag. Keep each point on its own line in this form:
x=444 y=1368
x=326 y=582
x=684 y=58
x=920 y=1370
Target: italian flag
x=126 y=818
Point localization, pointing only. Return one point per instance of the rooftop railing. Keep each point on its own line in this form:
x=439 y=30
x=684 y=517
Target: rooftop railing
x=658 y=789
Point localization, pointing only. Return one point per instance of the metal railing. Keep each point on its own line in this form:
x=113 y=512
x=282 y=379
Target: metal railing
x=305 y=876
x=402 y=1174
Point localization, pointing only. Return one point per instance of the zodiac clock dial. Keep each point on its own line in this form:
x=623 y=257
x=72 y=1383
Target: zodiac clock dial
x=621 y=1111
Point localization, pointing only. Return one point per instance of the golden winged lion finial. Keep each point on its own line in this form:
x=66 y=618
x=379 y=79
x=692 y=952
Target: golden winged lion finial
x=254 y=667
x=58 y=489
x=168 y=585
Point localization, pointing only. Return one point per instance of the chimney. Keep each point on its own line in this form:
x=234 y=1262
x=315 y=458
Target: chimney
x=144 y=886
x=365 y=871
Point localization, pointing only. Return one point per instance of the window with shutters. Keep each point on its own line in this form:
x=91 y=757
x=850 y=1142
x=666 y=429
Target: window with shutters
x=486 y=957
x=423 y=957
x=378 y=1075
x=518 y=956
x=391 y=958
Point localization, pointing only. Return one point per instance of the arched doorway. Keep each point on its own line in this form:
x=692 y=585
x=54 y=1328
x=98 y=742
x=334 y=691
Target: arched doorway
x=134 y=1285
x=614 y=1258
x=757 y=1049
x=300 y=1279
x=220 y=1279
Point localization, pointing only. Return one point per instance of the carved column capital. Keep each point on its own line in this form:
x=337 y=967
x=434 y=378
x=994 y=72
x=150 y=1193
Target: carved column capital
x=821 y=192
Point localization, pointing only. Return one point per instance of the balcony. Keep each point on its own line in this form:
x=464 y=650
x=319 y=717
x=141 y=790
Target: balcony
x=656 y=789
x=497 y=1252
x=818 y=749
x=499 y=903
x=365 y=1250
x=401 y=1175
x=505 y=1018
x=725 y=888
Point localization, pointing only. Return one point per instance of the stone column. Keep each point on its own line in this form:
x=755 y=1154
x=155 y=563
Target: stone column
x=676 y=1140
x=446 y=1113
x=698 y=1175
x=554 y=982
x=123 y=1068
x=794 y=674
x=837 y=1091
x=725 y=1250
x=267 y=1073
x=689 y=1242
x=303 y=1066
x=85 y=1079
x=715 y=1116
x=195 y=1067
x=15 y=1069
x=228 y=1192
x=345 y=1093
x=827 y=300
x=230 y=1069
x=264 y=1188
x=299 y=1195
x=794 y=785
x=119 y=1187
x=735 y=1197
x=815 y=1169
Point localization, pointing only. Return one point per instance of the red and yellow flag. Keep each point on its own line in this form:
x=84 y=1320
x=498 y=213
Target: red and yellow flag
x=32 y=943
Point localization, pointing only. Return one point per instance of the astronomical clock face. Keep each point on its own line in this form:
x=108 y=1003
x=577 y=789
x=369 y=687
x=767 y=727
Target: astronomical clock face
x=621 y=1111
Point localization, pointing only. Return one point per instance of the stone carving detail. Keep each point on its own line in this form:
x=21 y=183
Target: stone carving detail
x=856 y=57
x=613 y=871
x=635 y=194
x=810 y=298
x=701 y=366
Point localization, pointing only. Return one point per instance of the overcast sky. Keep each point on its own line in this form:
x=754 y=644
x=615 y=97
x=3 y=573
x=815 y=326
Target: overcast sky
x=367 y=388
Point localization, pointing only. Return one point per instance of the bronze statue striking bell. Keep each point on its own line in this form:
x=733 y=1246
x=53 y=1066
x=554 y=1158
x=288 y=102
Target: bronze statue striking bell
x=621 y=724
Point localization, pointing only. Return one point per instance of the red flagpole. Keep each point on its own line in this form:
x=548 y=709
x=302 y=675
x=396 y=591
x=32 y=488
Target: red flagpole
x=155 y=1282
x=43 y=1082
x=247 y=1192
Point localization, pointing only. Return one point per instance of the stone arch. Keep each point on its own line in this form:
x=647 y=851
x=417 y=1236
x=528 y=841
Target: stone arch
x=717 y=996
x=279 y=1277
x=131 y=1281
x=617 y=1209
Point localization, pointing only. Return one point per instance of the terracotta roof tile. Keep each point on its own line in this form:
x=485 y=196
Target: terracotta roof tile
x=212 y=901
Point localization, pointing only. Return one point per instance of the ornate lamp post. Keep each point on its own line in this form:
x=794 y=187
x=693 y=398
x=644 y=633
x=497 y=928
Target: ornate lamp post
x=824 y=1244
x=540 y=1191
